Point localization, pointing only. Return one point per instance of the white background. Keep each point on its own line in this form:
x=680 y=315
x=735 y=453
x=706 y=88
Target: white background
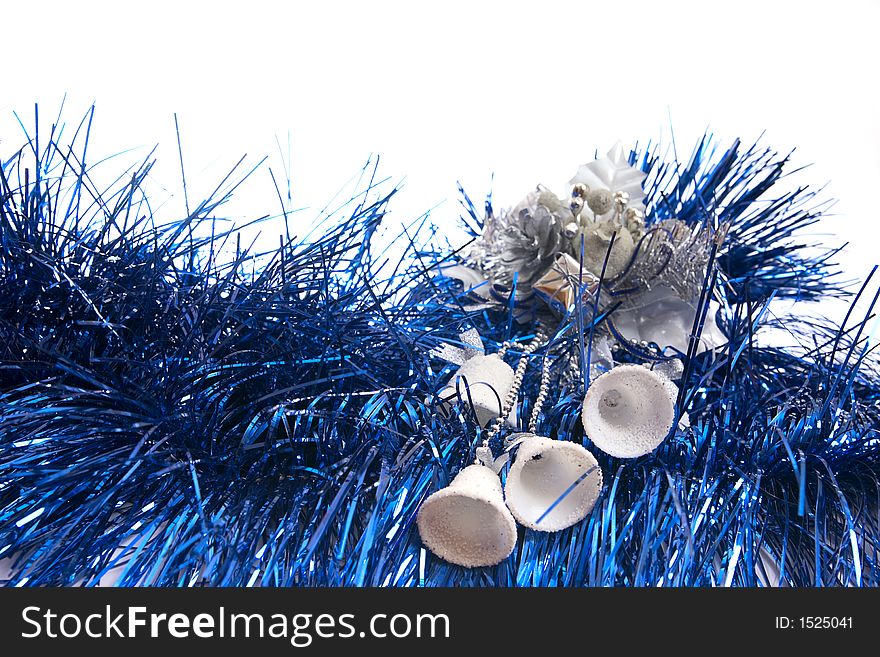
x=454 y=90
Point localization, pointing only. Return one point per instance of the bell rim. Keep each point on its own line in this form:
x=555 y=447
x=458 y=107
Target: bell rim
x=612 y=447
x=595 y=481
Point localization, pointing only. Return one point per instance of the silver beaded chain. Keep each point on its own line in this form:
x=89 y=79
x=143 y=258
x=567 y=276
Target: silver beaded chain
x=542 y=395
x=519 y=374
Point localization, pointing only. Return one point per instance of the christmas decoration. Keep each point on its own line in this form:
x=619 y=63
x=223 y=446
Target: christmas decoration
x=467 y=523
x=552 y=484
x=629 y=411
x=482 y=381
x=180 y=409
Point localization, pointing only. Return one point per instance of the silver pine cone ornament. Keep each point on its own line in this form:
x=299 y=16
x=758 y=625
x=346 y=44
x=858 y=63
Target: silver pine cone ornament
x=526 y=239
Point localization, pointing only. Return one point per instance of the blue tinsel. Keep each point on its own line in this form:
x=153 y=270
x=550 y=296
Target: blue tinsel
x=180 y=417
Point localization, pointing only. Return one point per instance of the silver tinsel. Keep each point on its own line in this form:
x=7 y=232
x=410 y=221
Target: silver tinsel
x=674 y=255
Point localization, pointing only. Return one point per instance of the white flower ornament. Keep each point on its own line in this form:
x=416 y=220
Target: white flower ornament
x=611 y=174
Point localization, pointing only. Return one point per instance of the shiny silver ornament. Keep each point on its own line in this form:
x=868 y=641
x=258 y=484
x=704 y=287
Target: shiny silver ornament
x=525 y=240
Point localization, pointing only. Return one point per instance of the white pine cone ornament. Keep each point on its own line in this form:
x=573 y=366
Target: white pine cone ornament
x=527 y=239
x=597 y=236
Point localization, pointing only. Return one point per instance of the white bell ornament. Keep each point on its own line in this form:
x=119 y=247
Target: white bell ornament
x=629 y=410
x=467 y=523
x=552 y=484
x=483 y=380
